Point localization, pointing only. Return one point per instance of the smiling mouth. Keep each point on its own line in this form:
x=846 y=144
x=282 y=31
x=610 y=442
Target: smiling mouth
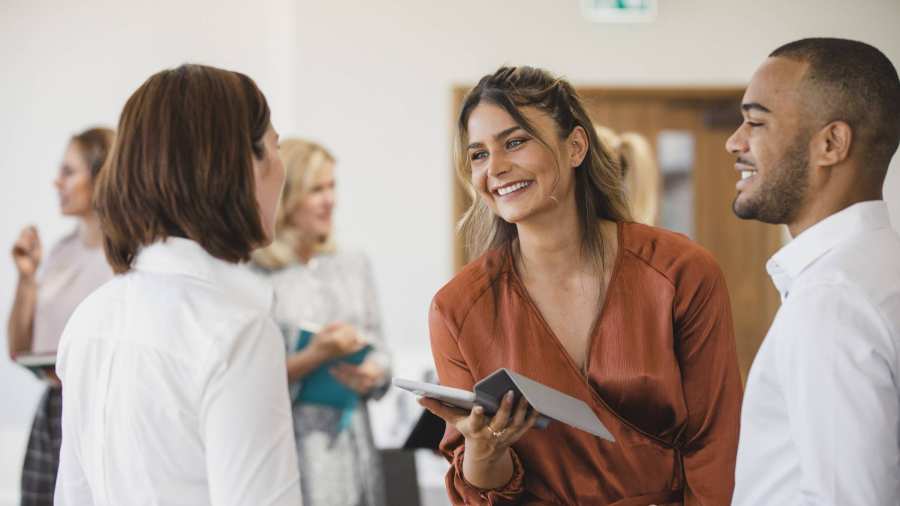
x=747 y=174
x=512 y=188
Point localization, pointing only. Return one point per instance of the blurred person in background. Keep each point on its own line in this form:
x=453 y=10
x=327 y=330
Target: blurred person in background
x=47 y=293
x=640 y=172
x=174 y=369
x=315 y=282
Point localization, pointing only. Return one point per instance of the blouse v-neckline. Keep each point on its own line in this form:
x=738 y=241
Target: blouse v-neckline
x=520 y=286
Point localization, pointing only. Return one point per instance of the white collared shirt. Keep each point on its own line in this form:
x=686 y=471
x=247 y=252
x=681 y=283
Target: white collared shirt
x=821 y=416
x=175 y=389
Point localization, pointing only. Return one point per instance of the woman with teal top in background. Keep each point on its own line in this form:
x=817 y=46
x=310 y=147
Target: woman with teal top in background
x=326 y=304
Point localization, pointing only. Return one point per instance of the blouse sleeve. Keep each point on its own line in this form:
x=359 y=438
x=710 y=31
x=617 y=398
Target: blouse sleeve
x=453 y=371
x=246 y=422
x=711 y=382
x=372 y=327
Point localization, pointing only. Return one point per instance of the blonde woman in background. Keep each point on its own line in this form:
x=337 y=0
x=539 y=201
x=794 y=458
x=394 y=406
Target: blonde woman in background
x=640 y=171
x=316 y=283
x=46 y=297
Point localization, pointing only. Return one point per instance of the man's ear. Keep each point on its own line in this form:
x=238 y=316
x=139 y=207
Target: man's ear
x=577 y=144
x=831 y=144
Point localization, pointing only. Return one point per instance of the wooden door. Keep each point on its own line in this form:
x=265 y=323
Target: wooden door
x=708 y=116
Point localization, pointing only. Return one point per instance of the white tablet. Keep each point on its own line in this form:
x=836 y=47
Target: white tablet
x=455 y=397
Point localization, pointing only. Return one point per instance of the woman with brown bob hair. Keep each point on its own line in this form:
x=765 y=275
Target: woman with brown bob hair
x=631 y=319
x=174 y=371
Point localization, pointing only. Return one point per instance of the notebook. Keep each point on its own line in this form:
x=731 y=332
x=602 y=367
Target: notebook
x=319 y=386
x=550 y=403
x=37 y=363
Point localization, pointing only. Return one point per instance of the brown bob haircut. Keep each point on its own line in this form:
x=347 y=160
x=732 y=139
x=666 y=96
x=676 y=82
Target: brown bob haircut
x=182 y=166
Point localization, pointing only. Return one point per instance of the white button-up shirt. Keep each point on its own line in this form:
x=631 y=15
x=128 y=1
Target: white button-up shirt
x=821 y=416
x=175 y=389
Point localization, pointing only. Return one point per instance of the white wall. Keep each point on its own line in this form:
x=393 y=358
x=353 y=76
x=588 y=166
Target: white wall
x=371 y=80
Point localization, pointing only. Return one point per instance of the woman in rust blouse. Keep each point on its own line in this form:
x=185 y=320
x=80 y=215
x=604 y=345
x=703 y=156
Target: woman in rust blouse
x=631 y=319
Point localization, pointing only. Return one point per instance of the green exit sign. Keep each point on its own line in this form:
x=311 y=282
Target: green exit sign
x=619 y=11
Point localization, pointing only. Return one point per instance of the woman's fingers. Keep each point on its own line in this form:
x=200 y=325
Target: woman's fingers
x=526 y=425
x=501 y=419
x=509 y=424
x=449 y=414
x=521 y=412
x=346 y=370
x=477 y=419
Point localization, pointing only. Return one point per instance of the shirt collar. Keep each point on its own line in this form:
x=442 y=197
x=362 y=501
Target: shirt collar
x=176 y=255
x=791 y=260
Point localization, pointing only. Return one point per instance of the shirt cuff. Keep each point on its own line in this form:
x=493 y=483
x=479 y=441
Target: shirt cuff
x=506 y=495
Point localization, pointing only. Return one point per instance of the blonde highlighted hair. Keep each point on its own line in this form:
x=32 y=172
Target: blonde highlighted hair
x=303 y=162
x=643 y=183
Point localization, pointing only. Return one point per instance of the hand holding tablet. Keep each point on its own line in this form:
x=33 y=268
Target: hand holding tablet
x=488 y=393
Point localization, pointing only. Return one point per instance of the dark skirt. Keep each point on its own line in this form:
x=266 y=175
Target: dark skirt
x=42 y=455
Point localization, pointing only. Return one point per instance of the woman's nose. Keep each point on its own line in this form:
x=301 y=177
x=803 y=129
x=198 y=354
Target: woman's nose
x=497 y=165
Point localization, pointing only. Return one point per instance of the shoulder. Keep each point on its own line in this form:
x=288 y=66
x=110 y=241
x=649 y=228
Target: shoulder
x=870 y=263
x=349 y=259
x=62 y=248
x=672 y=255
x=858 y=276
x=837 y=321
x=102 y=301
x=470 y=284
x=154 y=303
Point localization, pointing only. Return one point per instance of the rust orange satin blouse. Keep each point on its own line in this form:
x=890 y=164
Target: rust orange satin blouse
x=661 y=374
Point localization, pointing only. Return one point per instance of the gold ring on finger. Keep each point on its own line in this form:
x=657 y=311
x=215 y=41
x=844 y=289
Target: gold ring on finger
x=496 y=434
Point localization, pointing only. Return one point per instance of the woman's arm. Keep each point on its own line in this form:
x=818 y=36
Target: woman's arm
x=710 y=380
x=371 y=379
x=334 y=340
x=26 y=254
x=305 y=361
x=484 y=467
x=380 y=358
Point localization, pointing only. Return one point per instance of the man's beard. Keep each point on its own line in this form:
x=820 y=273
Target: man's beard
x=780 y=195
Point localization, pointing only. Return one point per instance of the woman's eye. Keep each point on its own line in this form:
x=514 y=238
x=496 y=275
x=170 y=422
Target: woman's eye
x=478 y=155
x=514 y=143
x=754 y=124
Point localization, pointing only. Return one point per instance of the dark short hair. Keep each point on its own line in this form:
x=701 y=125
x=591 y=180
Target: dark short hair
x=859 y=85
x=182 y=166
x=95 y=145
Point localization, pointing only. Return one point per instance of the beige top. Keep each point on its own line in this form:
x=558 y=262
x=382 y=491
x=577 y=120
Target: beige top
x=69 y=274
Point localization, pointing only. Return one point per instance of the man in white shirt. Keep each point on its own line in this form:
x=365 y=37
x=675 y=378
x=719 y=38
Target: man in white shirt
x=821 y=414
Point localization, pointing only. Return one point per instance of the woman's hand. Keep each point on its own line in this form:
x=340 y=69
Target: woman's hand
x=337 y=340
x=27 y=252
x=487 y=462
x=362 y=378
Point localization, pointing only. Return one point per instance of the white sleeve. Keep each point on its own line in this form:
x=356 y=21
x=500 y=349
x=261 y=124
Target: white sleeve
x=372 y=324
x=246 y=422
x=71 y=483
x=837 y=364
